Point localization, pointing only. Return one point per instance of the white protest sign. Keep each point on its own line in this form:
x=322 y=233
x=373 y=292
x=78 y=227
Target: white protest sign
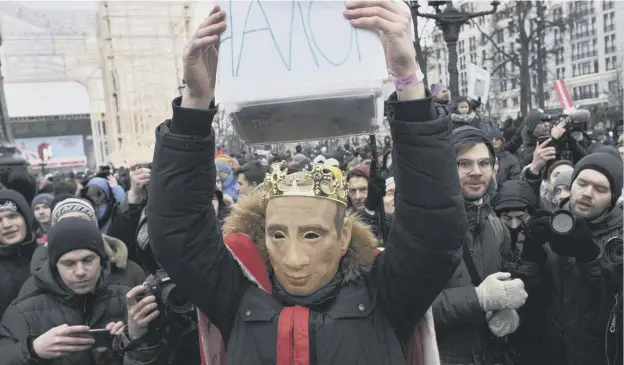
x=276 y=50
x=478 y=83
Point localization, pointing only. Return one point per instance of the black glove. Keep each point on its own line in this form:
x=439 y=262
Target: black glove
x=475 y=104
x=376 y=192
x=537 y=232
x=579 y=243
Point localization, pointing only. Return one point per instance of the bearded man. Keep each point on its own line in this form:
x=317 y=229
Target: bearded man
x=329 y=297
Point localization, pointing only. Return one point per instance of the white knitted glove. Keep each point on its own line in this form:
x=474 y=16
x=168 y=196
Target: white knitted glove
x=497 y=292
x=503 y=323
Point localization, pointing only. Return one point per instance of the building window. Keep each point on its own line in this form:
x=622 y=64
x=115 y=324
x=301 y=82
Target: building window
x=616 y=89
x=499 y=36
x=609 y=21
x=559 y=56
x=503 y=85
x=610 y=43
x=515 y=101
x=610 y=63
x=473 y=43
x=561 y=73
x=585 y=92
x=607 y=4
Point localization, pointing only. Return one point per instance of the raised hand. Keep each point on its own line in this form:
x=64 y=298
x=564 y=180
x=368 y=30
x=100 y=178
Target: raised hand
x=394 y=23
x=200 y=61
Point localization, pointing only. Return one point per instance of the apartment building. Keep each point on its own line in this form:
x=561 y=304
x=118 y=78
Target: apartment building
x=589 y=54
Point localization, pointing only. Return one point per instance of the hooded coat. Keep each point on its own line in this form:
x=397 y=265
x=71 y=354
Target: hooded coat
x=15 y=259
x=375 y=302
x=122 y=271
x=53 y=304
x=104 y=208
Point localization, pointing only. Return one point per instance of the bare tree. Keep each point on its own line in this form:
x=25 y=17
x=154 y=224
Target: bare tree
x=615 y=90
x=422 y=51
x=518 y=45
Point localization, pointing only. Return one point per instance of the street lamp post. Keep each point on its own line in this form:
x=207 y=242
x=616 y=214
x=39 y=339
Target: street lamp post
x=450 y=21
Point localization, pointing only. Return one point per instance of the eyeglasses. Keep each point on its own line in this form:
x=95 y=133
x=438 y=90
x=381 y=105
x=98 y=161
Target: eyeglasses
x=467 y=166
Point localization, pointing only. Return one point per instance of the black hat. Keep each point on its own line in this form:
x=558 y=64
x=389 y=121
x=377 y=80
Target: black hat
x=606 y=164
x=14 y=201
x=74 y=233
x=466 y=131
x=515 y=195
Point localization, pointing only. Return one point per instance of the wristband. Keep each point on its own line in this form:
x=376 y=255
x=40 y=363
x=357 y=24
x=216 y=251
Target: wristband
x=409 y=80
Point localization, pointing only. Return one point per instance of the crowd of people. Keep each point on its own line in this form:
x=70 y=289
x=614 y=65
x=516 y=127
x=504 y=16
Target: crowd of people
x=454 y=241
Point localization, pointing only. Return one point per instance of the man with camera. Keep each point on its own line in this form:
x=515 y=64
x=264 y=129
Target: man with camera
x=74 y=316
x=569 y=245
x=177 y=322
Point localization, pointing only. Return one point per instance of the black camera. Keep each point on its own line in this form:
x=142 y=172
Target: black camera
x=614 y=251
x=166 y=292
x=562 y=222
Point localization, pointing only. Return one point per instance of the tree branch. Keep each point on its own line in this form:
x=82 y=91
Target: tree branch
x=498 y=49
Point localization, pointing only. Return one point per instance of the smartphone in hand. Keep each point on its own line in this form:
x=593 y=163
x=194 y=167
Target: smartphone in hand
x=543 y=139
x=102 y=337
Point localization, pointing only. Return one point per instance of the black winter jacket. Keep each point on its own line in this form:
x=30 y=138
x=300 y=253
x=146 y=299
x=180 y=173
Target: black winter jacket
x=575 y=305
x=371 y=317
x=508 y=167
x=15 y=259
x=52 y=305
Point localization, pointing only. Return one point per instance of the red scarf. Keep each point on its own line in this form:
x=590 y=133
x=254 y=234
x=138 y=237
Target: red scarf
x=292 y=330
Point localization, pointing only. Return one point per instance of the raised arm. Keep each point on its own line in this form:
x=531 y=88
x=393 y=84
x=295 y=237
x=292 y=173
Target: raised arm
x=429 y=223
x=183 y=230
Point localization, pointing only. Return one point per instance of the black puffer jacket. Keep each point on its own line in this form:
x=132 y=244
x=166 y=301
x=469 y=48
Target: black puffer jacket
x=52 y=305
x=575 y=303
x=508 y=167
x=15 y=259
x=368 y=318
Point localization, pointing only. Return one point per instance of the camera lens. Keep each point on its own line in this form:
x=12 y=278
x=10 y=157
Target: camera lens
x=562 y=222
x=170 y=295
x=614 y=251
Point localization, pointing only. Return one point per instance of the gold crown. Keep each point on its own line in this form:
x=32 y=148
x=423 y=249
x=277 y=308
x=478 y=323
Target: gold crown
x=316 y=180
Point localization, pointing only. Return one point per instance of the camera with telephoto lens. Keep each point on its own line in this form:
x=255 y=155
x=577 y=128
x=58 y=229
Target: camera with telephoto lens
x=166 y=292
x=614 y=251
x=562 y=222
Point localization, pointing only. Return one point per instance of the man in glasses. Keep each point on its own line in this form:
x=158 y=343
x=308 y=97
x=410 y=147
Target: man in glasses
x=481 y=297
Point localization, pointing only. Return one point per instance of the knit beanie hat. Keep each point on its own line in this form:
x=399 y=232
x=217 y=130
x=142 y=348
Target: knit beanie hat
x=44 y=198
x=74 y=233
x=59 y=198
x=515 y=195
x=437 y=87
x=466 y=131
x=564 y=178
x=73 y=205
x=607 y=165
x=361 y=170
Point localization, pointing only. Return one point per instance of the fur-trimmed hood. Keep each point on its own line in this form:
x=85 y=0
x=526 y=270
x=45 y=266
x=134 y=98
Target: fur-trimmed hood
x=117 y=251
x=248 y=216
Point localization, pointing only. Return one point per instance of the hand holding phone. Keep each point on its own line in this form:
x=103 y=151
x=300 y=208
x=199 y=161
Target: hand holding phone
x=61 y=341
